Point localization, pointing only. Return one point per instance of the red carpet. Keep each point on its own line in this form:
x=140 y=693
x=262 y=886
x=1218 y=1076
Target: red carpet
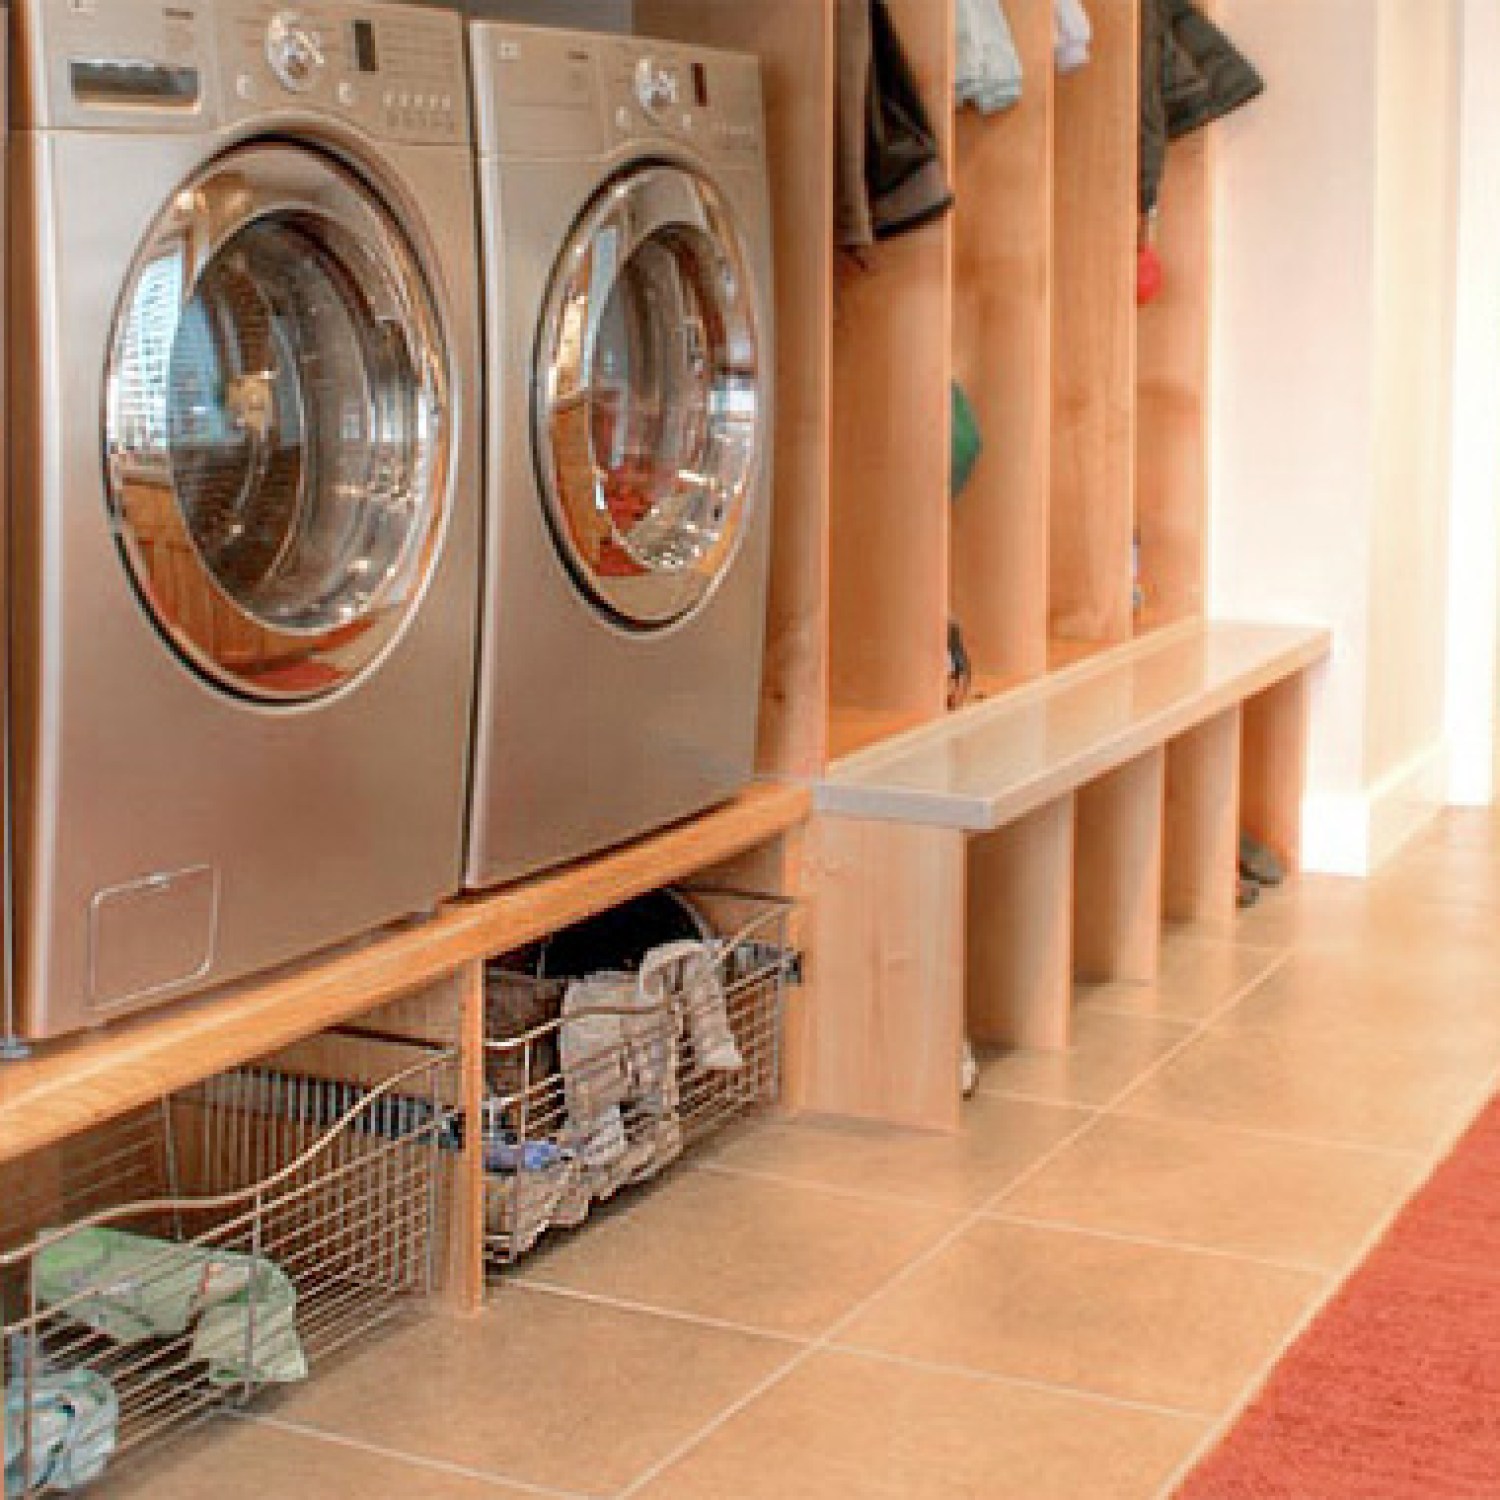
x=1394 y=1393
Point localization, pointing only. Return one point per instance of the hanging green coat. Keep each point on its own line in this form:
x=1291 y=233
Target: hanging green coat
x=1191 y=75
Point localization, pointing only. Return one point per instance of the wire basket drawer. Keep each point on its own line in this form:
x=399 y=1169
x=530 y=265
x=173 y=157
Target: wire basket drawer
x=599 y=1081
x=219 y=1242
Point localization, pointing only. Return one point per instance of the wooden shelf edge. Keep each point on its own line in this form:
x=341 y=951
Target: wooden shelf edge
x=79 y=1083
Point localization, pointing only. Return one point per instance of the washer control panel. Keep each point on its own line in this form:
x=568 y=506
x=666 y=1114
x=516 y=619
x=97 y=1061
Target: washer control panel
x=396 y=70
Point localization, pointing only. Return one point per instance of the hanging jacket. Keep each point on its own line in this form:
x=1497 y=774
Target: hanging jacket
x=988 y=67
x=890 y=175
x=1191 y=75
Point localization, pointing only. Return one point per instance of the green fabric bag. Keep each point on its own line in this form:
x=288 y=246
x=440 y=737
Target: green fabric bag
x=967 y=443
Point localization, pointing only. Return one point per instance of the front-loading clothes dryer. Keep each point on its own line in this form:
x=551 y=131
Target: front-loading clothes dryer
x=244 y=500
x=627 y=238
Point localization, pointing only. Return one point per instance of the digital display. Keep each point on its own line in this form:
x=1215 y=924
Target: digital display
x=700 y=85
x=118 y=83
x=366 y=56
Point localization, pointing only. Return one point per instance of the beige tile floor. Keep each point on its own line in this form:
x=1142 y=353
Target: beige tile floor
x=1067 y=1301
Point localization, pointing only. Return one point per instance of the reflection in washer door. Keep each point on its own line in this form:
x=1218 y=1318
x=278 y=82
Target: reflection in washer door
x=278 y=451
x=648 y=398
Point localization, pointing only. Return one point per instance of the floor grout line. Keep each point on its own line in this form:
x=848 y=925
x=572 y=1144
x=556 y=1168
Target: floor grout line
x=1226 y=1424
x=833 y=1189
x=412 y=1460
x=1152 y=1242
x=543 y=1287
x=1019 y=1382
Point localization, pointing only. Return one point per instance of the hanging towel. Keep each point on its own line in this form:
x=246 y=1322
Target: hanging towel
x=131 y=1288
x=988 y=66
x=1072 y=35
x=691 y=971
x=75 y=1419
x=591 y=1043
x=890 y=177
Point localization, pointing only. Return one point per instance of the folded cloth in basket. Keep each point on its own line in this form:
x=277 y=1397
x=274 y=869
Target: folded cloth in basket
x=132 y=1287
x=75 y=1416
x=689 y=973
x=591 y=1048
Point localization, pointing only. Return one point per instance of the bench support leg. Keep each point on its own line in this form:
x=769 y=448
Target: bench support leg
x=1199 y=879
x=1118 y=888
x=1274 y=768
x=882 y=1025
x=1020 y=984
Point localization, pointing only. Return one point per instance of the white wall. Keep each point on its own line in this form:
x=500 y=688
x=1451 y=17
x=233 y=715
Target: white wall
x=1473 y=674
x=1334 y=207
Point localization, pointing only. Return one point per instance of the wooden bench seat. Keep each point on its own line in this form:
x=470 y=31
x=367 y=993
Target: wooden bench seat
x=991 y=765
x=970 y=872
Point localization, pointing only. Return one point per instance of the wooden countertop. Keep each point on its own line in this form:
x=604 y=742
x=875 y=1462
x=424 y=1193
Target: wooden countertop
x=72 y=1085
x=992 y=764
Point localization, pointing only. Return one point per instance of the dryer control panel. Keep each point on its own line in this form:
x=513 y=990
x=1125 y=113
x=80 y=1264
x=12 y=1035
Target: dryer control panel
x=393 y=70
x=545 y=93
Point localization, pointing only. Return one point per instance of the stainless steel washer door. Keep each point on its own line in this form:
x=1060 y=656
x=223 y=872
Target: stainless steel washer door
x=648 y=396
x=276 y=438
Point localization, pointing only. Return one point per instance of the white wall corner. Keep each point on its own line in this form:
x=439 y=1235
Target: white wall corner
x=1355 y=833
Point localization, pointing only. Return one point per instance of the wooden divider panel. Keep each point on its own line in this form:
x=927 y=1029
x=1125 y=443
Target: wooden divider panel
x=1118 y=879
x=1200 y=877
x=1020 y=930
x=1002 y=356
x=1094 y=321
x=1274 y=768
x=882 y=1031
x=1173 y=394
x=889 y=523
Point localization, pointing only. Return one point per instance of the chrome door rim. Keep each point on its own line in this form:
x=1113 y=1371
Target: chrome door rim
x=367 y=260
x=649 y=202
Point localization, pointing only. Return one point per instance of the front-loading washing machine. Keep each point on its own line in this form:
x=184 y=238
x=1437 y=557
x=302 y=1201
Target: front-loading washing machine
x=244 y=492
x=627 y=239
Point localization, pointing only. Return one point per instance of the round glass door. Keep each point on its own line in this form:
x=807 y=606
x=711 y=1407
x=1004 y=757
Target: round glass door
x=648 y=396
x=276 y=434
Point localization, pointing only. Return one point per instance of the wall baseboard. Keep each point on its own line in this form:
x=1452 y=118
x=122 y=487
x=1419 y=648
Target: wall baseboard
x=1355 y=833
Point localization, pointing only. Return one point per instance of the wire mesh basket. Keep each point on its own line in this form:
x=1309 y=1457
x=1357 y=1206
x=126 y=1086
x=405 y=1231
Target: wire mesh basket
x=219 y=1242
x=600 y=1080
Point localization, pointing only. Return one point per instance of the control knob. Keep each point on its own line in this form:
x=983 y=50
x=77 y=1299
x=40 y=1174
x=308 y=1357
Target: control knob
x=295 y=51
x=657 y=88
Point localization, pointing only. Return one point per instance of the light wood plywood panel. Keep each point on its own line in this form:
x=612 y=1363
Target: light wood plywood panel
x=1173 y=367
x=1002 y=356
x=1201 y=858
x=1117 y=899
x=882 y=1031
x=889 y=525
x=1273 y=768
x=794 y=40
x=1094 y=326
x=1020 y=930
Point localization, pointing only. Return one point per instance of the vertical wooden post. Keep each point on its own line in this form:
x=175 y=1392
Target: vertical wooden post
x=882 y=1031
x=1094 y=334
x=1274 y=768
x=1002 y=356
x=463 y=1283
x=1118 y=882
x=1201 y=859
x=1020 y=913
